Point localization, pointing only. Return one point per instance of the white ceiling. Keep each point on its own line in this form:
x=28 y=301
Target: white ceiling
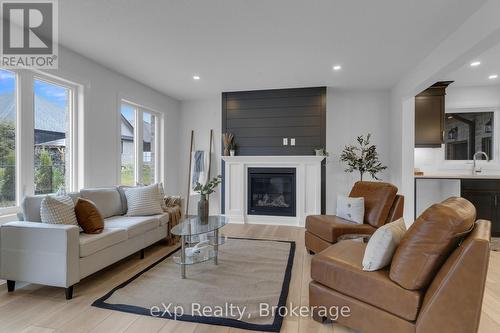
x=478 y=76
x=259 y=44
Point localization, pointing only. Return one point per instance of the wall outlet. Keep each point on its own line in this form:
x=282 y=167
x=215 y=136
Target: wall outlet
x=292 y=142
x=285 y=141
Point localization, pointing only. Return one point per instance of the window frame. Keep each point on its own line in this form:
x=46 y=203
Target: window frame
x=25 y=127
x=73 y=126
x=440 y=157
x=140 y=109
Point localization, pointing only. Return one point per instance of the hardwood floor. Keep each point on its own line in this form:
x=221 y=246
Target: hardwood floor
x=35 y=308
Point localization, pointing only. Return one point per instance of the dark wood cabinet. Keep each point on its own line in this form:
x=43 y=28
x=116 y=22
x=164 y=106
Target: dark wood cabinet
x=485 y=195
x=429 y=116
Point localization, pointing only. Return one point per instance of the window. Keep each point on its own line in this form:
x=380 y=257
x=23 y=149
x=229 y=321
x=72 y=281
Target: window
x=468 y=133
x=8 y=114
x=128 y=144
x=38 y=136
x=148 y=148
x=138 y=125
x=52 y=133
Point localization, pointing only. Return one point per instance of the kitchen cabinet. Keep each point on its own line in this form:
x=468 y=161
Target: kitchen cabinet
x=429 y=116
x=485 y=195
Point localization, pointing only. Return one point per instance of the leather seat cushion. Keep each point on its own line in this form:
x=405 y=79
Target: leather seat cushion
x=92 y=243
x=379 y=198
x=430 y=240
x=135 y=225
x=339 y=267
x=330 y=227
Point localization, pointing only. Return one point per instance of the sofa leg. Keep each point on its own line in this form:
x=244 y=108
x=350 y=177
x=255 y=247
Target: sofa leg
x=69 y=292
x=142 y=254
x=11 y=285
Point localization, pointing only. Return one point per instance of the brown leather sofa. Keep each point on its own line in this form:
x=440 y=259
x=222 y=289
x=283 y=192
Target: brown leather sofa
x=435 y=282
x=382 y=205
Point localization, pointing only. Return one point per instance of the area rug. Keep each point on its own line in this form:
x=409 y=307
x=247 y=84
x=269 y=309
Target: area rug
x=245 y=290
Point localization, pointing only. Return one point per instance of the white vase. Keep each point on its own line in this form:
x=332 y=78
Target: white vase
x=232 y=152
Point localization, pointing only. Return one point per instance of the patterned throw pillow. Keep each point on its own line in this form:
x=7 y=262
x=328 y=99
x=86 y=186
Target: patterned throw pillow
x=58 y=210
x=143 y=201
x=351 y=209
x=382 y=245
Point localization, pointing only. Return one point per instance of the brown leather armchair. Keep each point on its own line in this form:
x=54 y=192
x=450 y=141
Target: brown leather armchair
x=382 y=205
x=435 y=282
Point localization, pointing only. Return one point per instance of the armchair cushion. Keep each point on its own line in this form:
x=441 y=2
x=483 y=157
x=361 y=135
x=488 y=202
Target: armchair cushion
x=379 y=198
x=330 y=227
x=340 y=268
x=430 y=240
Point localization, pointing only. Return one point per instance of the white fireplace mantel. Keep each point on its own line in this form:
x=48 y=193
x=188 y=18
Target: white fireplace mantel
x=308 y=187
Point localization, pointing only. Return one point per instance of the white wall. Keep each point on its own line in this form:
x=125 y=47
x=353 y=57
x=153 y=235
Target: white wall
x=349 y=114
x=103 y=90
x=472 y=97
x=200 y=116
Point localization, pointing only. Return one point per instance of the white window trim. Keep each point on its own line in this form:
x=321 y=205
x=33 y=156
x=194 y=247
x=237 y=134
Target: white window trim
x=138 y=137
x=25 y=133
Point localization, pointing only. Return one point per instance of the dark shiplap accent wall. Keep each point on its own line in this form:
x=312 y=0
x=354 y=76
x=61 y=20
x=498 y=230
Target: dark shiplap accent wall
x=260 y=119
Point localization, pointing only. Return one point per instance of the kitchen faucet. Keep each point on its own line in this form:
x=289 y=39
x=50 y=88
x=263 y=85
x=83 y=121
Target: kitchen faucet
x=476 y=170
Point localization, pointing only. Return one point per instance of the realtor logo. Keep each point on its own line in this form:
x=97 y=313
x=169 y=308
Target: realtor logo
x=29 y=34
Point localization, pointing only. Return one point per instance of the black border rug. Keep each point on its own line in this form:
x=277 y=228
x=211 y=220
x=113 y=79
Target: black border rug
x=274 y=327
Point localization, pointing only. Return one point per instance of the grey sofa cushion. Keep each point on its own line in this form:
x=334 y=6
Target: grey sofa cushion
x=106 y=199
x=121 y=190
x=31 y=206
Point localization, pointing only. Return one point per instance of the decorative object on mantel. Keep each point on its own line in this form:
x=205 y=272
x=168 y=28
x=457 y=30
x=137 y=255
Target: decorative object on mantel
x=321 y=152
x=205 y=191
x=232 y=149
x=227 y=139
x=362 y=157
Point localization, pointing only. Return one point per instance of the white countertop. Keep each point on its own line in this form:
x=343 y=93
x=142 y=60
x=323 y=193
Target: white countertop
x=457 y=176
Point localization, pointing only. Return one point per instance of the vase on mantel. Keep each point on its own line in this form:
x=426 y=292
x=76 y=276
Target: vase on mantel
x=203 y=209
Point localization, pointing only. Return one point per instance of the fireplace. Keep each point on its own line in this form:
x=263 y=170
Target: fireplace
x=271 y=191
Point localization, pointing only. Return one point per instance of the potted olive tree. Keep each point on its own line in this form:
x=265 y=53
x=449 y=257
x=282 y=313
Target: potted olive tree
x=362 y=157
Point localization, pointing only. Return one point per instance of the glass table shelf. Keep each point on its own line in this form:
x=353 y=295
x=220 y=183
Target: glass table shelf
x=193 y=230
x=205 y=255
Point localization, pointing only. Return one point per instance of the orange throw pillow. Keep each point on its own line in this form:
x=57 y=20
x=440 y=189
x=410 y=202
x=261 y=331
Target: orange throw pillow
x=88 y=216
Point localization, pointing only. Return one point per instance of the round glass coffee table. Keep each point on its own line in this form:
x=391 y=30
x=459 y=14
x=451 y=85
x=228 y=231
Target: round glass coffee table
x=194 y=230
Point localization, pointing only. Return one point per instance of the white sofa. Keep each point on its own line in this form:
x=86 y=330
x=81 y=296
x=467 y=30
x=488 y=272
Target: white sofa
x=61 y=255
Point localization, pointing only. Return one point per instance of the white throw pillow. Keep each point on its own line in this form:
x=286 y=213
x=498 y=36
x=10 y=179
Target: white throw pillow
x=58 y=210
x=382 y=245
x=143 y=200
x=351 y=209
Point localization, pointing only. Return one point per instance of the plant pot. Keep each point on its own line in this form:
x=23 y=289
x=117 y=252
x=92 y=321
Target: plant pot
x=203 y=209
x=319 y=152
x=232 y=152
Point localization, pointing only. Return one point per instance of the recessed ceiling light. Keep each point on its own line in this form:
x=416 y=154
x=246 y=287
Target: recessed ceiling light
x=337 y=67
x=475 y=63
x=196 y=77
x=492 y=77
